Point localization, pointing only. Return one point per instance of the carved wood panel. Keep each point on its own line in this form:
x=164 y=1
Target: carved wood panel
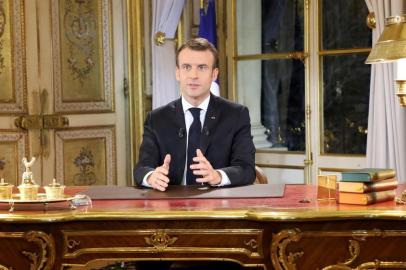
x=13 y=146
x=82 y=56
x=86 y=156
x=12 y=57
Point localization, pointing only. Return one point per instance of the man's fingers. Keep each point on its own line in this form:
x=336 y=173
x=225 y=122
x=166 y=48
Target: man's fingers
x=162 y=177
x=160 y=183
x=167 y=160
x=162 y=170
x=198 y=166
x=159 y=187
x=203 y=172
x=199 y=153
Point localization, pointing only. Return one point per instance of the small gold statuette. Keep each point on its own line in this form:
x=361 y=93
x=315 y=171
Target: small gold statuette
x=28 y=189
x=54 y=190
x=6 y=190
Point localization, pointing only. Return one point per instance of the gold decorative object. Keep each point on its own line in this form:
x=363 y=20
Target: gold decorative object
x=160 y=38
x=371 y=20
x=28 y=189
x=289 y=239
x=6 y=190
x=326 y=187
x=401 y=92
x=54 y=190
x=160 y=240
x=45 y=258
x=82 y=49
x=391 y=46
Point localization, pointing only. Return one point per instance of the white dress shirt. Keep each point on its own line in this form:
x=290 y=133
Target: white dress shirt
x=188 y=121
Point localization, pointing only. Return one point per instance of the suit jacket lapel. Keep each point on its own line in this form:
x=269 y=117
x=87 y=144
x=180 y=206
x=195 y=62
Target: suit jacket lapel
x=209 y=124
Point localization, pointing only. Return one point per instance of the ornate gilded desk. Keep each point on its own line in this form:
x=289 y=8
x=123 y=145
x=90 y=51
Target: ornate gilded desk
x=266 y=233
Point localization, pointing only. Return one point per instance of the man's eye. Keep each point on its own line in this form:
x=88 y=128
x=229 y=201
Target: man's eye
x=186 y=67
x=202 y=68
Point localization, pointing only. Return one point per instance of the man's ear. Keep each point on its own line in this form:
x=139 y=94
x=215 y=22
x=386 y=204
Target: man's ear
x=215 y=74
x=177 y=74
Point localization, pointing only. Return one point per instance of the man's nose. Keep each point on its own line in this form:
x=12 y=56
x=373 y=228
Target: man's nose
x=193 y=72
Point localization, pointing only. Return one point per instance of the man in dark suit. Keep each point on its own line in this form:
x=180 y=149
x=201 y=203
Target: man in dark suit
x=225 y=153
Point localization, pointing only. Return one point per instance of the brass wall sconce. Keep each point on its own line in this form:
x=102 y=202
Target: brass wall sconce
x=391 y=46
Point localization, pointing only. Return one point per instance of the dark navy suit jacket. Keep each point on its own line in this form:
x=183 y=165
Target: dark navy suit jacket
x=226 y=141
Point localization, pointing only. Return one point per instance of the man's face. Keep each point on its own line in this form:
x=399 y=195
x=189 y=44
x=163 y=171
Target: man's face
x=195 y=74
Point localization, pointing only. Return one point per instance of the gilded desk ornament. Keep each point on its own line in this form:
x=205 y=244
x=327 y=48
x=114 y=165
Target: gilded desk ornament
x=28 y=188
x=54 y=190
x=280 y=241
x=282 y=260
x=251 y=243
x=46 y=257
x=160 y=240
x=6 y=190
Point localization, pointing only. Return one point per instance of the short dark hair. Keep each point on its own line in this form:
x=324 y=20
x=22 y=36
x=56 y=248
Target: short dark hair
x=199 y=44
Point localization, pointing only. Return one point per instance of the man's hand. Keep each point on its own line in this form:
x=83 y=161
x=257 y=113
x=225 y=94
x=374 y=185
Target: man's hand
x=204 y=169
x=159 y=178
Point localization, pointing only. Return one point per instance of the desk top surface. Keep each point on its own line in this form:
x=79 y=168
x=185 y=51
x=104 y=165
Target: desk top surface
x=298 y=203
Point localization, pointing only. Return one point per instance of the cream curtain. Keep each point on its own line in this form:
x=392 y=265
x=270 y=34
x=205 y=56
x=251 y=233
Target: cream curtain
x=386 y=142
x=165 y=18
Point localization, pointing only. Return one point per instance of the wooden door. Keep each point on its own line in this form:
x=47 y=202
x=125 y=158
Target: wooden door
x=64 y=100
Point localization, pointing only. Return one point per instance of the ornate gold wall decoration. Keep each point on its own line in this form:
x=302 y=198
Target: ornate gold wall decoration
x=282 y=259
x=86 y=156
x=81 y=32
x=12 y=150
x=2 y=28
x=12 y=57
x=82 y=47
x=85 y=162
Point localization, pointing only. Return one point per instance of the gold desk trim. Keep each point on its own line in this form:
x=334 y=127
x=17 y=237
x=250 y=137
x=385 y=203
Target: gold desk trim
x=275 y=214
x=165 y=241
x=282 y=260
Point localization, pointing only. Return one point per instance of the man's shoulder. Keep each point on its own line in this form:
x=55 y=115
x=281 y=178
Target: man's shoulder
x=228 y=104
x=165 y=109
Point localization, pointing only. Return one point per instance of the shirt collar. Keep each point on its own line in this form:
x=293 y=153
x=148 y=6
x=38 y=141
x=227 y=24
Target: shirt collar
x=186 y=105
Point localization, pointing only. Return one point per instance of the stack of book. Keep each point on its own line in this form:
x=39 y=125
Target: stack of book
x=367 y=186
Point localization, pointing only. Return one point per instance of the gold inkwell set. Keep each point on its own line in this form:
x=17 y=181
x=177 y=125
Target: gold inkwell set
x=28 y=190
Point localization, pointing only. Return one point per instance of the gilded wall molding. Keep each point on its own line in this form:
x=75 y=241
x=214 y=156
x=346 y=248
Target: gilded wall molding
x=20 y=139
x=284 y=260
x=13 y=75
x=87 y=60
x=107 y=134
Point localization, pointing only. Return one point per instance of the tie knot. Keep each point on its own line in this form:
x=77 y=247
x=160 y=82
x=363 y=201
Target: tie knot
x=196 y=113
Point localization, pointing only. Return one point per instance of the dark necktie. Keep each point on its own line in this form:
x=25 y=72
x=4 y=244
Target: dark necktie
x=193 y=143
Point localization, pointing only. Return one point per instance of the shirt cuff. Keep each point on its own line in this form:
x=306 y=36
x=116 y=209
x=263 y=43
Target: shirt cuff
x=225 y=181
x=144 y=180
